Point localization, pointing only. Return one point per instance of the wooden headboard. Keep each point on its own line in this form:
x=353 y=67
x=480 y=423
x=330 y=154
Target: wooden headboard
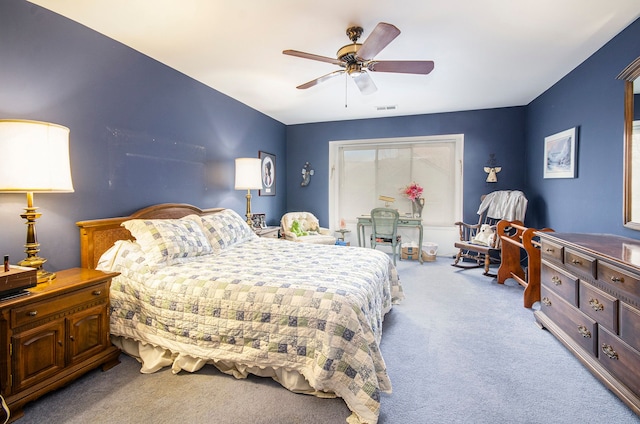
x=98 y=235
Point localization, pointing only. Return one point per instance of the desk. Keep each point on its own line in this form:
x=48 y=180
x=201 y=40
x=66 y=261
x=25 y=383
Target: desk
x=365 y=220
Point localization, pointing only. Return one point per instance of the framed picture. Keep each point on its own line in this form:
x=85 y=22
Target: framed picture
x=259 y=220
x=268 y=162
x=560 y=154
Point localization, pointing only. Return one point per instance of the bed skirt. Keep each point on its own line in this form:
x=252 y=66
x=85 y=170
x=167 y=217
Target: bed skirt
x=154 y=358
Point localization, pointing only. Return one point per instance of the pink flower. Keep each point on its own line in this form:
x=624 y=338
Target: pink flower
x=413 y=191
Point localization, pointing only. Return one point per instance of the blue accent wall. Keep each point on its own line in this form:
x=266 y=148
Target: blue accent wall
x=498 y=131
x=141 y=133
x=591 y=99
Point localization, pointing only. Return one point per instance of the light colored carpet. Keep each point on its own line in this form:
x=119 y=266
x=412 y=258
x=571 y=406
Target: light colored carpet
x=459 y=349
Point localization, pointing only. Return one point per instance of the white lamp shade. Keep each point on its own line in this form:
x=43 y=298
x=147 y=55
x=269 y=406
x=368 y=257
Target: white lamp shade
x=248 y=176
x=35 y=157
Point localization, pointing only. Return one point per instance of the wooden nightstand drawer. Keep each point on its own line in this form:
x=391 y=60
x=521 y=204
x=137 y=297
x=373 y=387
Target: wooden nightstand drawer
x=36 y=311
x=582 y=329
x=620 y=359
x=579 y=262
x=561 y=282
x=600 y=306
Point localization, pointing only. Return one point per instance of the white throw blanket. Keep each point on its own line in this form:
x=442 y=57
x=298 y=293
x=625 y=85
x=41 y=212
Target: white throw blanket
x=504 y=204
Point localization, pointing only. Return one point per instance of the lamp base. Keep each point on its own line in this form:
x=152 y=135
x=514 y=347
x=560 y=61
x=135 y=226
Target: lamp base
x=45 y=276
x=36 y=262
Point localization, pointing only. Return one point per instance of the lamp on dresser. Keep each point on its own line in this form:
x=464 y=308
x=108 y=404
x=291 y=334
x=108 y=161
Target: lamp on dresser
x=248 y=177
x=35 y=159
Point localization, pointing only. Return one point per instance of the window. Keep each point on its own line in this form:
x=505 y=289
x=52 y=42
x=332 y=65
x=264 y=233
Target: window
x=363 y=170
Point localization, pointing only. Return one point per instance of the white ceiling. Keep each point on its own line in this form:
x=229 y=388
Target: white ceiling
x=487 y=53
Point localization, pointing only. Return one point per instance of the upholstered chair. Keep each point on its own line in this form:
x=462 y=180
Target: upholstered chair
x=305 y=227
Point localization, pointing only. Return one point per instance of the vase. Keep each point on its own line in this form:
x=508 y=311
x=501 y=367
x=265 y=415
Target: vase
x=416 y=207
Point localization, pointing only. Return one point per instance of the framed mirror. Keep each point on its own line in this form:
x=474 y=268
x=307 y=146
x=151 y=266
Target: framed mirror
x=631 y=193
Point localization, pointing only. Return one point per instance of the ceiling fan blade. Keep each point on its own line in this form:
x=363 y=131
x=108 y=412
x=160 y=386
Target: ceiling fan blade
x=313 y=57
x=319 y=80
x=422 y=67
x=380 y=37
x=365 y=83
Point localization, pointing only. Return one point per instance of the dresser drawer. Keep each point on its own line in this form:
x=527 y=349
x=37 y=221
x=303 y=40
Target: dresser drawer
x=561 y=282
x=629 y=325
x=579 y=262
x=599 y=305
x=581 y=328
x=553 y=251
x=620 y=359
x=619 y=279
x=35 y=311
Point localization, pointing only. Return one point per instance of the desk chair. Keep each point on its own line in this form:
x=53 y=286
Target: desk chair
x=384 y=229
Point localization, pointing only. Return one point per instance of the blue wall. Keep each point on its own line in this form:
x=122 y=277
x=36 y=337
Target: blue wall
x=591 y=99
x=141 y=132
x=498 y=131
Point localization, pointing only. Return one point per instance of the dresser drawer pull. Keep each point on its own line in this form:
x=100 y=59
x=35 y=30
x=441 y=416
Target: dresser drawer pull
x=615 y=279
x=32 y=313
x=608 y=350
x=556 y=280
x=576 y=262
x=584 y=332
x=546 y=301
x=97 y=292
x=548 y=249
x=596 y=305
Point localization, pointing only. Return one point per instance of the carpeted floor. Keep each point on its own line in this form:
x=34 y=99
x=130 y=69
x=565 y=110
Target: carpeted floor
x=459 y=349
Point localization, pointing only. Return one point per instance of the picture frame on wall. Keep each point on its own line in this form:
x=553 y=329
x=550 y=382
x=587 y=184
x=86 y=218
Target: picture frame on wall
x=268 y=173
x=560 y=154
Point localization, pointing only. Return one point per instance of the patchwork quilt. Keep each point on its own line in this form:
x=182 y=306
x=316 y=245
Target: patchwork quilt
x=313 y=309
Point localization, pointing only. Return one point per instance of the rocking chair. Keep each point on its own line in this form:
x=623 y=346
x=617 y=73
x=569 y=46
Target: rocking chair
x=479 y=246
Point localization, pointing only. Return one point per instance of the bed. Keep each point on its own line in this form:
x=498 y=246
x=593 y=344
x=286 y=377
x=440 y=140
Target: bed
x=199 y=287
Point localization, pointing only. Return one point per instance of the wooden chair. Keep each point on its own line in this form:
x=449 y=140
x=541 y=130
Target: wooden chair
x=475 y=251
x=384 y=229
x=471 y=252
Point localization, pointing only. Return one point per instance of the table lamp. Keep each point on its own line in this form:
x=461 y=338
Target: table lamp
x=248 y=177
x=35 y=159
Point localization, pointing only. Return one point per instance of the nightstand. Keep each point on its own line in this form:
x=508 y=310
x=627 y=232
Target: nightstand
x=269 y=232
x=54 y=334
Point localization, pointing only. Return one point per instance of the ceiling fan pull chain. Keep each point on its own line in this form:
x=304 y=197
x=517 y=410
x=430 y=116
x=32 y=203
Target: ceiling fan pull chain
x=345 y=89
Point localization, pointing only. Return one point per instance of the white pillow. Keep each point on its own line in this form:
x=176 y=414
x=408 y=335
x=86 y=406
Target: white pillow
x=125 y=257
x=169 y=241
x=226 y=228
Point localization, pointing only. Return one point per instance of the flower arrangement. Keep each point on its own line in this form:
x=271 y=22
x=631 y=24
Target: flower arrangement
x=413 y=191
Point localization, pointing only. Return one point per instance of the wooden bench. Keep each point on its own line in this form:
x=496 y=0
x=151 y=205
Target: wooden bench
x=516 y=239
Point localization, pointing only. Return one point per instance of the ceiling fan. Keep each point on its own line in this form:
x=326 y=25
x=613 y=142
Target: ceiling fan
x=357 y=59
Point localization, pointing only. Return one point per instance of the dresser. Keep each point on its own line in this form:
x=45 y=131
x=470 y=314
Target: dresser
x=590 y=300
x=57 y=332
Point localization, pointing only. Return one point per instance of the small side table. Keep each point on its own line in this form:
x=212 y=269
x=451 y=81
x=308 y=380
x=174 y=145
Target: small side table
x=268 y=232
x=342 y=232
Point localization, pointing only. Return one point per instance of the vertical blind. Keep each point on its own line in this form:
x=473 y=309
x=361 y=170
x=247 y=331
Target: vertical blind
x=369 y=171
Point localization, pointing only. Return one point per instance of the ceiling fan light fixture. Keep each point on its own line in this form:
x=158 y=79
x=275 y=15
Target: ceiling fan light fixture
x=354 y=70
